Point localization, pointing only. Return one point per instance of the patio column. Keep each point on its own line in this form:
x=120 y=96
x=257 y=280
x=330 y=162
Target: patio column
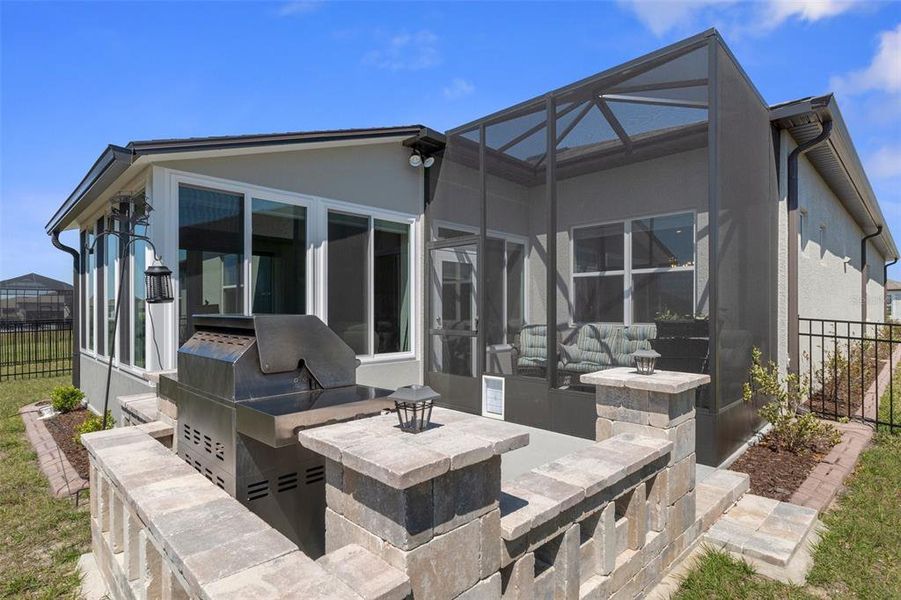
x=661 y=405
x=427 y=503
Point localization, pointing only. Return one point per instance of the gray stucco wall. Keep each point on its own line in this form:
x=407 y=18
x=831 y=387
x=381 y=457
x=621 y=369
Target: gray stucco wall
x=829 y=285
x=373 y=174
x=93 y=384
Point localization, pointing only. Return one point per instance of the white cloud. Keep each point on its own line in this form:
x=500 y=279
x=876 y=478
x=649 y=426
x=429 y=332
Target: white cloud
x=458 y=88
x=883 y=73
x=664 y=16
x=779 y=11
x=885 y=162
x=406 y=52
x=300 y=7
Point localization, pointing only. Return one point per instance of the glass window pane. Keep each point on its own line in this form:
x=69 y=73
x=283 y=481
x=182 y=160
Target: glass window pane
x=99 y=284
x=348 y=252
x=112 y=251
x=658 y=294
x=663 y=242
x=279 y=250
x=515 y=288
x=391 y=283
x=599 y=299
x=91 y=261
x=599 y=248
x=210 y=254
x=139 y=250
x=494 y=321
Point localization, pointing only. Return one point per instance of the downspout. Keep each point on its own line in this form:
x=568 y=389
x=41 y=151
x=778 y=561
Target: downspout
x=864 y=271
x=76 y=295
x=793 y=234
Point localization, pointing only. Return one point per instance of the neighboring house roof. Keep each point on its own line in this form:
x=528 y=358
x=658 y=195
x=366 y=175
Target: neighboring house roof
x=893 y=286
x=115 y=160
x=33 y=281
x=836 y=160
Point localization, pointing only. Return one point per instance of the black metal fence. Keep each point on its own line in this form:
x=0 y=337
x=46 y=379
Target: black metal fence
x=35 y=333
x=853 y=370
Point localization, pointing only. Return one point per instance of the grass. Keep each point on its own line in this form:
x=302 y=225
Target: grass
x=858 y=556
x=718 y=575
x=890 y=403
x=41 y=537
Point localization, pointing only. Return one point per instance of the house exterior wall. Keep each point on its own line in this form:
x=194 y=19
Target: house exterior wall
x=372 y=176
x=93 y=384
x=829 y=258
x=893 y=305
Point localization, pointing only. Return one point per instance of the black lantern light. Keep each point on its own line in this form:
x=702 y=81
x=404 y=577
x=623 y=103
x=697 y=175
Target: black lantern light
x=414 y=407
x=158 y=282
x=645 y=360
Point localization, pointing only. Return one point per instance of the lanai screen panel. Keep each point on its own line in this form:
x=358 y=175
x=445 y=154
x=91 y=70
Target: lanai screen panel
x=746 y=243
x=631 y=197
x=518 y=339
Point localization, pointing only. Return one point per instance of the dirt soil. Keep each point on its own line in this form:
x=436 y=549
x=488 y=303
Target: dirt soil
x=776 y=474
x=63 y=429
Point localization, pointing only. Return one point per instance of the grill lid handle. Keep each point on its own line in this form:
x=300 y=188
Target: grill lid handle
x=286 y=341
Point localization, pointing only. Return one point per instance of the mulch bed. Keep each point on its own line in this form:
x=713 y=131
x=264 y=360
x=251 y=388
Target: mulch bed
x=63 y=429
x=776 y=474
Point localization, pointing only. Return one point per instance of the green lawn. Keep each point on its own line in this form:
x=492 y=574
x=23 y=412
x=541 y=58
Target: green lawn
x=858 y=557
x=41 y=537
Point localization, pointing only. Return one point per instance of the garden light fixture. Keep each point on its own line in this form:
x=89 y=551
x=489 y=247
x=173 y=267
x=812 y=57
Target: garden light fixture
x=414 y=407
x=645 y=360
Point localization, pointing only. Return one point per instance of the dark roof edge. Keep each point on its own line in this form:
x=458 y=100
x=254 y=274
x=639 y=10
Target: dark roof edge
x=826 y=107
x=114 y=160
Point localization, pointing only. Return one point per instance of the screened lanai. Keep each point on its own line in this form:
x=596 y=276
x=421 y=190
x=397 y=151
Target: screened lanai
x=631 y=210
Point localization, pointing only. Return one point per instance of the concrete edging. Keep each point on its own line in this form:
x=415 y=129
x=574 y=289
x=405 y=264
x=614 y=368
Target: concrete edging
x=64 y=480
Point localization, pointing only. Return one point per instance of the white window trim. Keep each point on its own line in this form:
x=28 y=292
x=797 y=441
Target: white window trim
x=317 y=241
x=627 y=271
x=372 y=214
x=506 y=237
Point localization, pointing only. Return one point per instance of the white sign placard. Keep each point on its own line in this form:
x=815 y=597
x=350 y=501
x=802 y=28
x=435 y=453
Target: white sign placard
x=492 y=397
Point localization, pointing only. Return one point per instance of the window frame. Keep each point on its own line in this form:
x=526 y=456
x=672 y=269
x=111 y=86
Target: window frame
x=628 y=271
x=317 y=208
x=371 y=215
x=507 y=238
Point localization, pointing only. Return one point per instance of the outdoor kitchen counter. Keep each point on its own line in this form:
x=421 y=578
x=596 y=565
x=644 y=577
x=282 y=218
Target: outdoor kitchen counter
x=377 y=448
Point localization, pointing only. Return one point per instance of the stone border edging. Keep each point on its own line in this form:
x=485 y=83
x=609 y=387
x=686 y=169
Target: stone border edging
x=828 y=476
x=64 y=480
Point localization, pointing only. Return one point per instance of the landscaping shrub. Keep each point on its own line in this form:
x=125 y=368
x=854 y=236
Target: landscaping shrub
x=66 y=398
x=792 y=431
x=94 y=423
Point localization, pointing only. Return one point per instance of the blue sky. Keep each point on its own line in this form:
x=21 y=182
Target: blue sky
x=77 y=76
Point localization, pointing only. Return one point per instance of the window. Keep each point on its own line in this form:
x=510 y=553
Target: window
x=368 y=282
x=86 y=237
x=278 y=275
x=139 y=252
x=599 y=259
x=662 y=266
x=110 y=254
x=633 y=271
x=210 y=254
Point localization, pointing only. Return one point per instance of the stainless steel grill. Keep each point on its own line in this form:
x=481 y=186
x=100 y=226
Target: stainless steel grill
x=245 y=386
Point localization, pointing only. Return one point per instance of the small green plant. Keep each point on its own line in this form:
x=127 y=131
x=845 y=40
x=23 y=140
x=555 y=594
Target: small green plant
x=66 y=398
x=93 y=423
x=792 y=431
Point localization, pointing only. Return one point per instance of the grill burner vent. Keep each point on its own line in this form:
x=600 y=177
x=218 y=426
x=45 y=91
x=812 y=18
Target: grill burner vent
x=315 y=474
x=286 y=482
x=257 y=490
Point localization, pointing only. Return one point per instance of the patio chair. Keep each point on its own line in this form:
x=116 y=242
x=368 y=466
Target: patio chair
x=593 y=350
x=531 y=351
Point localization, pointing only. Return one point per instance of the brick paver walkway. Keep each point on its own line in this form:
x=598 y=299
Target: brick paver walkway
x=828 y=476
x=64 y=479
